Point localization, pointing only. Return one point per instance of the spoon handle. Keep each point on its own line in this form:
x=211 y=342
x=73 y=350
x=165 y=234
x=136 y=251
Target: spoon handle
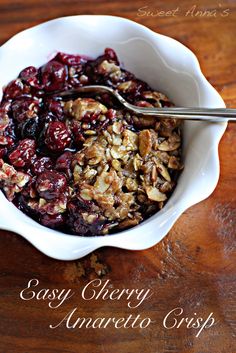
x=200 y=114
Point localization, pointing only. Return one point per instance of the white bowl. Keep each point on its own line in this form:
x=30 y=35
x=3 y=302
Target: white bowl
x=162 y=62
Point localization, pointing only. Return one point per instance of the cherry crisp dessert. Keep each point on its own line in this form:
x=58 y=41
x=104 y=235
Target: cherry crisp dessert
x=85 y=166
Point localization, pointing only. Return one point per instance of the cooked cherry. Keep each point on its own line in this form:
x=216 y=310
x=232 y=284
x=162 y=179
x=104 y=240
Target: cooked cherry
x=28 y=73
x=52 y=221
x=55 y=108
x=58 y=137
x=25 y=108
x=64 y=161
x=30 y=76
x=53 y=75
x=42 y=164
x=111 y=114
x=14 y=89
x=50 y=184
x=5 y=106
x=6 y=141
x=69 y=59
x=24 y=154
x=110 y=54
x=77 y=133
x=79 y=225
x=30 y=190
x=3 y=151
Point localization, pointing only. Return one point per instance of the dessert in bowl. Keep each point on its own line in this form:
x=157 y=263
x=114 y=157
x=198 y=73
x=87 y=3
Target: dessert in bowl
x=150 y=58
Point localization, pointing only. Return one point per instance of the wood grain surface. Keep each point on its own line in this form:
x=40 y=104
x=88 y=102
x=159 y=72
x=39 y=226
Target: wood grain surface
x=192 y=268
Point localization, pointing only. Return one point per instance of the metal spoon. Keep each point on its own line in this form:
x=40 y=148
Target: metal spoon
x=215 y=115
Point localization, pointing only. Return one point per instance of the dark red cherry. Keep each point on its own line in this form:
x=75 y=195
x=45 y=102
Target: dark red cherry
x=52 y=221
x=54 y=75
x=25 y=108
x=24 y=154
x=58 y=137
x=42 y=164
x=50 y=184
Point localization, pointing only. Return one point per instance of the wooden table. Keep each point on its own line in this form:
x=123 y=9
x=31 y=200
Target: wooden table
x=192 y=268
